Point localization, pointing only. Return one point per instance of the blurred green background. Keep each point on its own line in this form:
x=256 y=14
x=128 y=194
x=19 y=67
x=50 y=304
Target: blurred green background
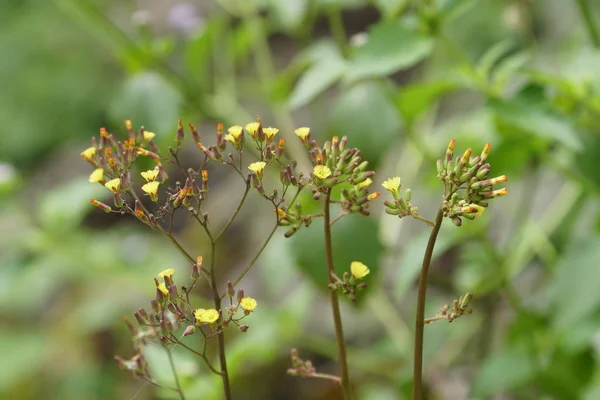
x=400 y=78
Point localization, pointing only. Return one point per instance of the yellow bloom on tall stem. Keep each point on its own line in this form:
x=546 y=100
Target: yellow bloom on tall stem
x=149 y=175
x=302 y=133
x=257 y=168
x=359 y=270
x=97 y=175
x=203 y=316
x=392 y=184
x=151 y=189
x=88 y=153
x=114 y=185
x=167 y=272
x=322 y=171
x=148 y=136
x=270 y=132
x=163 y=289
x=252 y=129
x=248 y=304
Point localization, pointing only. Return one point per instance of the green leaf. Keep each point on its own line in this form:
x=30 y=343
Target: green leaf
x=414 y=99
x=149 y=99
x=391 y=46
x=326 y=69
x=574 y=287
x=368 y=117
x=505 y=370
x=288 y=14
x=22 y=356
x=354 y=238
x=492 y=56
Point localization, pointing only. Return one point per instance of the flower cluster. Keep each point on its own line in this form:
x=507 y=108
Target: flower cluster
x=351 y=281
x=467 y=186
x=300 y=367
x=460 y=307
x=401 y=205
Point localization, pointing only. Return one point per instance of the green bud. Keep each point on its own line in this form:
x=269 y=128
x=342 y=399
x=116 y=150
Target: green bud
x=407 y=194
x=440 y=166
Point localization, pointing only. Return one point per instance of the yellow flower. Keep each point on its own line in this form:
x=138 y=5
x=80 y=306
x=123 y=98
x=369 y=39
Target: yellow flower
x=359 y=270
x=149 y=175
x=302 y=133
x=88 y=153
x=475 y=209
x=365 y=183
x=392 y=184
x=252 y=128
x=163 y=289
x=148 y=136
x=151 y=189
x=248 y=304
x=114 y=185
x=270 y=132
x=97 y=175
x=257 y=167
x=321 y=171
x=235 y=131
x=203 y=316
x=167 y=272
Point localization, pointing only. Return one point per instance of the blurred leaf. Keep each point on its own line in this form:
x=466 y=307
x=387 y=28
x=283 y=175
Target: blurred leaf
x=505 y=370
x=416 y=98
x=22 y=355
x=586 y=162
x=354 y=239
x=451 y=9
x=493 y=55
x=327 y=68
x=288 y=14
x=391 y=46
x=574 y=287
x=390 y=8
x=508 y=67
x=63 y=208
x=148 y=98
x=370 y=128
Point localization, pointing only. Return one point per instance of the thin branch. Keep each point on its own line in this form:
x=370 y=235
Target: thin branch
x=172 y=364
x=235 y=214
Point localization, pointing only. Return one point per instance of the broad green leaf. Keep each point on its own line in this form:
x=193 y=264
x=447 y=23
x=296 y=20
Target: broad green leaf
x=505 y=370
x=391 y=46
x=414 y=99
x=366 y=114
x=146 y=98
x=288 y=14
x=327 y=68
x=574 y=287
x=354 y=239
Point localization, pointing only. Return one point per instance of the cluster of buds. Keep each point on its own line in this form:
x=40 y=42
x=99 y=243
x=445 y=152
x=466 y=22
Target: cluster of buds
x=351 y=282
x=293 y=218
x=467 y=186
x=401 y=205
x=137 y=365
x=300 y=367
x=460 y=307
x=237 y=301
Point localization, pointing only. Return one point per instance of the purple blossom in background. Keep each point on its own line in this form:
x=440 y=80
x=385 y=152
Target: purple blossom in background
x=184 y=17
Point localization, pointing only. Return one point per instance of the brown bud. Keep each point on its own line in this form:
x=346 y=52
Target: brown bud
x=244 y=328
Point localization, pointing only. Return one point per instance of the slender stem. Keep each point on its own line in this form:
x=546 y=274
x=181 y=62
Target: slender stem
x=202 y=356
x=428 y=222
x=174 y=372
x=433 y=319
x=586 y=14
x=235 y=214
x=326 y=376
x=335 y=304
x=420 y=318
x=336 y=24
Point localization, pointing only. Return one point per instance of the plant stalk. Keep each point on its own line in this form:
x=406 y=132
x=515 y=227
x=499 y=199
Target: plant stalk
x=335 y=304
x=588 y=20
x=420 y=318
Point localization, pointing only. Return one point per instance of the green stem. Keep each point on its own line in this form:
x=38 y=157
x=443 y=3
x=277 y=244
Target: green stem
x=235 y=214
x=420 y=318
x=335 y=304
x=172 y=363
x=336 y=24
x=588 y=21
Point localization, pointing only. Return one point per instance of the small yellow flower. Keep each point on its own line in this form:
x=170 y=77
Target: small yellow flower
x=88 y=153
x=359 y=270
x=475 y=209
x=203 y=316
x=148 y=136
x=114 y=185
x=322 y=171
x=167 y=272
x=97 y=175
x=151 y=189
x=248 y=304
x=270 y=132
x=302 y=133
x=367 y=182
x=373 y=196
x=392 y=184
x=149 y=175
x=163 y=289
x=252 y=128
x=235 y=131
x=257 y=167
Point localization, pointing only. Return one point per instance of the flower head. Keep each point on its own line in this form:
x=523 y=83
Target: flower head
x=114 y=185
x=151 y=189
x=149 y=175
x=392 y=184
x=321 y=171
x=367 y=182
x=203 y=316
x=302 y=133
x=163 y=288
x=270 y=132
x=167 y=272
x=235 y=131
x=252 y=129
x=148 y=136
x=88 y=153
x=97 y=175
x=248 y=304
x=257 y=167
x=359 y=270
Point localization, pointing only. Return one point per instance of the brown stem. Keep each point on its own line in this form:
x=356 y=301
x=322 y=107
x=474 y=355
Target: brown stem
x=335 y=304
x=420 y=318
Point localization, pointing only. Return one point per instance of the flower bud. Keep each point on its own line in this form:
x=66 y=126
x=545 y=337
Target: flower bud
x=154 y=305
x=104 y=207
x=244 y=328
x=180 y=134
x=139 y=318
x=230 y=290
x=189 y=330
x=240 y=295
x=195 y=134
